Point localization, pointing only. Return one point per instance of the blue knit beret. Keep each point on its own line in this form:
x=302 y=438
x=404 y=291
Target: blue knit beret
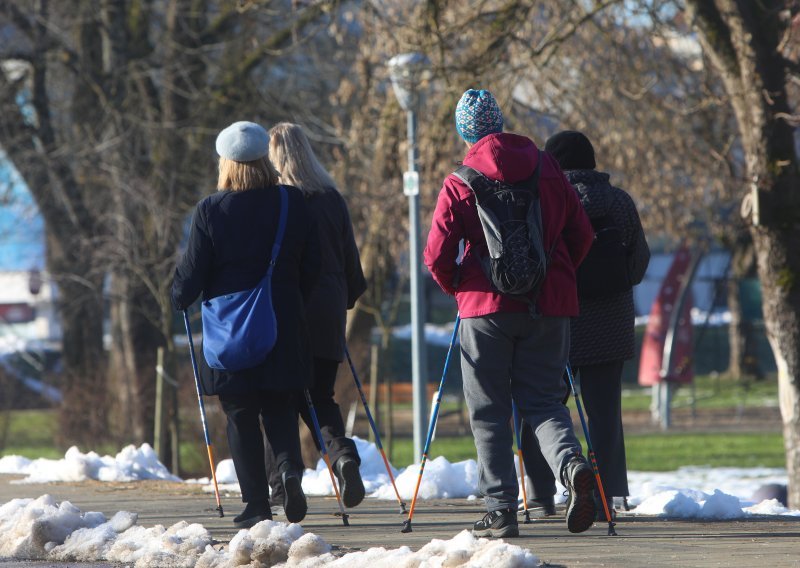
x=243 y=142
x=477 y=115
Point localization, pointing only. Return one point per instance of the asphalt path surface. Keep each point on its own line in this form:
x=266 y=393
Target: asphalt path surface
x=641 y=541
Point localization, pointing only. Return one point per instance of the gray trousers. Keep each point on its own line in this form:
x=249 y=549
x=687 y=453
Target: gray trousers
x=601 y=391
x=507 y=355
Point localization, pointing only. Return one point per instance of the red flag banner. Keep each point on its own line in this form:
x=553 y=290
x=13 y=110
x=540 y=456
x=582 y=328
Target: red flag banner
x=651 y=360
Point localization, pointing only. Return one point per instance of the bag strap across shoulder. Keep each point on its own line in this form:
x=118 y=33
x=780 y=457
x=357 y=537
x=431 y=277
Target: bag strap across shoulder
x=276 y=247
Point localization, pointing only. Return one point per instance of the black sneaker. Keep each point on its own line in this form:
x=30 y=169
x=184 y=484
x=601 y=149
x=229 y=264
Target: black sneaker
x=348 y=476
x=579 y=481
x=497 y=524
x=294 y=501
x=254 y=512
x=539 y=508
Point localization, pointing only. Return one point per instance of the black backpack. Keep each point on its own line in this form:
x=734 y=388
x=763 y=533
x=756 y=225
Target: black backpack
x=511 y=218
x=604 y=271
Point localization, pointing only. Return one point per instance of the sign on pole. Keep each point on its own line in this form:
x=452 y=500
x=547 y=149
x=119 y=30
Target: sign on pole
x=411 y=183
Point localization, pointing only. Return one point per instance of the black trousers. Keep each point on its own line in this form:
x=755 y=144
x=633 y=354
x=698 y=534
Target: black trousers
x=601 y=394
x=330 y=421
x=277 y=412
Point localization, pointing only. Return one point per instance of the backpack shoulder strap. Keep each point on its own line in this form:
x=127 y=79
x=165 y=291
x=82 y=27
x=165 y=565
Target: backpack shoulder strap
x=600 y=222
x=480 y=184
x=475 y=180
x=533 y=181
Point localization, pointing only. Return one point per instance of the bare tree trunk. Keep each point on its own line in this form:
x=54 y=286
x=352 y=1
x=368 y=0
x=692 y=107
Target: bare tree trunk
x=133 y=360
x=742 y=39
x=38 y=154
x=83 y=412
x=742 y=362
x=779 y=272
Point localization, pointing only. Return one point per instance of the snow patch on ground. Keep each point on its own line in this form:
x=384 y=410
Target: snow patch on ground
x=130 y=464
x=689 y=492
x=43 y=529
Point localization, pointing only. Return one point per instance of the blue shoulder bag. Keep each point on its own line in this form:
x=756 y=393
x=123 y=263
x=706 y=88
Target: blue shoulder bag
x=240 y=329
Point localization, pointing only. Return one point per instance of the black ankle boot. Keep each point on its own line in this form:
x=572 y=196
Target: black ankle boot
x=348 y=476
x=254 y=512
x=294 y=501
x=540 y=508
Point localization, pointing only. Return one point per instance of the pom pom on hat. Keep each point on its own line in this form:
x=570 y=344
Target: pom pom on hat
x=477 y=115
x=243 y=142
x=572 y=150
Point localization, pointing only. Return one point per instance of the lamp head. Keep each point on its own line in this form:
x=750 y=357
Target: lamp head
x=407 y=71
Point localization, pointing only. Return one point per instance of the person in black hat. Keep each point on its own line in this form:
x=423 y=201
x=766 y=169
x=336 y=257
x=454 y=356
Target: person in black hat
x=602 y=336
x=512 y=346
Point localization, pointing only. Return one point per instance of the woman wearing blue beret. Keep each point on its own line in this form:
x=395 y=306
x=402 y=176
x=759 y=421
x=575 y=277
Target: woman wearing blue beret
x=229 y=250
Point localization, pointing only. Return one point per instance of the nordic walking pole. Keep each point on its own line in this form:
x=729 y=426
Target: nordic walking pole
x=202 y=411
x=592 y=457
x=375 y=431
x=434 y=415
x=518 y=435
x=325 y=456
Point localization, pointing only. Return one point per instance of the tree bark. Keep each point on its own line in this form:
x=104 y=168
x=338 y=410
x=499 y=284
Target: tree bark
x=742 y=361
x=83 y=411
x=742 y=39
x=37 y=152
x=135 y=340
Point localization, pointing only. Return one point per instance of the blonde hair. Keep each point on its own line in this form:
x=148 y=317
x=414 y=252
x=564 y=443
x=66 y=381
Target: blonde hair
x=290 y=151
x=241 y=176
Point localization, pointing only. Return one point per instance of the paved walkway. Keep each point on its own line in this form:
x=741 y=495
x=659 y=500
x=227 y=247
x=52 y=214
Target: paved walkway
x=642 y=541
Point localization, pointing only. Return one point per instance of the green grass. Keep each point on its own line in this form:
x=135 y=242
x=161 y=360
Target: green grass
x=669 y=451
x=453 y=448
x=645 y=452
x=194 y=459
x=31 y=433
x=708 y=392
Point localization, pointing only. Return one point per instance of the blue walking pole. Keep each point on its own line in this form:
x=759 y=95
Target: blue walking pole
x=325 y=456
x=434 y=415
x=202 y=411
x=517 y=434
x=375 y=431
x=592 y=457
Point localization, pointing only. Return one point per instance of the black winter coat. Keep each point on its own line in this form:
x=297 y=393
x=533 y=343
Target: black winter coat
x=341 y=280
x=603 y=331
x=228 y=251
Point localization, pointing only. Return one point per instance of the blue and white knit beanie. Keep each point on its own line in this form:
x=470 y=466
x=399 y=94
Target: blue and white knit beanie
x=243 y=142
x=477 y=115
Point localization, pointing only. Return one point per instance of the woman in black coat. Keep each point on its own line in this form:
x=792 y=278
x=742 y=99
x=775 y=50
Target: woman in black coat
x=229 y=250
x=341 y=283
x=602 y=336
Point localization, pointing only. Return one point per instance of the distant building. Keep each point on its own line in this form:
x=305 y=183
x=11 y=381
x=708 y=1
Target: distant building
x=27 y=297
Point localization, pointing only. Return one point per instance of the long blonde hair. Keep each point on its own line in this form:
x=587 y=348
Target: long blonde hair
x=241 y=176
x=290 y=151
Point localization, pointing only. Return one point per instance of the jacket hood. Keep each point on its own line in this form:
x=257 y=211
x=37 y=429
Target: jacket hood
x=593 y=188
x=506 y=157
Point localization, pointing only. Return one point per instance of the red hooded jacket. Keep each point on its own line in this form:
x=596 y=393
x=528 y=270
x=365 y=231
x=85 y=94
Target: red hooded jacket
x=510 y=158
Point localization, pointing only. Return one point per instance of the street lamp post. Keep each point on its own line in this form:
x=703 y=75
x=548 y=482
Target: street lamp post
x=407 y=70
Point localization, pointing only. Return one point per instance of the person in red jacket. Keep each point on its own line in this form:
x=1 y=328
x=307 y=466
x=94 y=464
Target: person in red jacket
x=509 y=350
